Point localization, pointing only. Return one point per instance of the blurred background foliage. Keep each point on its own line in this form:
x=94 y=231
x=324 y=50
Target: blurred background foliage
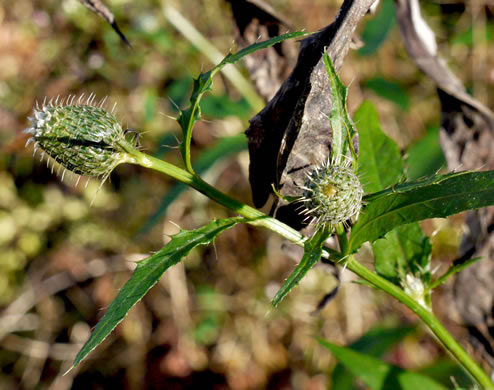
x=208 y=324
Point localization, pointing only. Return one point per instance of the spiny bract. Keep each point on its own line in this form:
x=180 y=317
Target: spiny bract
x=332 y=194
x=82 y=137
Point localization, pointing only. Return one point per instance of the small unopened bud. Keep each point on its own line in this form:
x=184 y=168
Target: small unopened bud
x=415 y=288
x=332 y=194
x=82 y=137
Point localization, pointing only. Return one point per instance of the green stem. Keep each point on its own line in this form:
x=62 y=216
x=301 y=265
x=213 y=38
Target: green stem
x=342 y=238
x=258 y=218
x=445 y=338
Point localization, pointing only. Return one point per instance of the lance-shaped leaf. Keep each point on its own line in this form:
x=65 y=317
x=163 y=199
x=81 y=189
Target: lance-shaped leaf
x=204 y=83
x=147 y=274
x=438 y=196
x=312 y=254
x=380 y=162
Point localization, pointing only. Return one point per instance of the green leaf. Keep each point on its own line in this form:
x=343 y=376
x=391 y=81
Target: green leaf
x=342 y=127
x=312 y=254
x=380 y=162
x=377 y=29
x=147 y=274
x=231 y=58
x=454 y=269
x=375 y=342
x=404 y=250
x=435 y=197
x=425 y=157
x=379 y=375
x=224 y=148
x=204 y=83
x=389 y=90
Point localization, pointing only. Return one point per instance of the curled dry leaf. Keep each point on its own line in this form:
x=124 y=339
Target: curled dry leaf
x=293 y=133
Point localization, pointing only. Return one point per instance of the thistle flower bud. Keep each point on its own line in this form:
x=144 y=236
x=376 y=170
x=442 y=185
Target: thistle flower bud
x=332 y=194
x=82 y=137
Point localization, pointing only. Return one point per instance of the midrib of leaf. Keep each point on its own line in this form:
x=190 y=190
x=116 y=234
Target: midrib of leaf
x=403 y=188
x=445 y=197
x=146 y=275
x=411 y=205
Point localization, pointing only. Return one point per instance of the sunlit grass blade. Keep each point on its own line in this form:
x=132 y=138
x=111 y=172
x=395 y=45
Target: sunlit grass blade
x=147 y=274
x=435 y=197
x=312 y=254
x=202 y=43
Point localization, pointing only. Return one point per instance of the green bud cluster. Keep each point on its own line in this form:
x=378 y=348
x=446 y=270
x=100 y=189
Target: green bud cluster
x=84 y=138
x=332 y=194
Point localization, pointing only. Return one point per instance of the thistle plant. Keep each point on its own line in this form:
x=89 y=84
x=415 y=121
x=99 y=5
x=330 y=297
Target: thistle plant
x=384 y=211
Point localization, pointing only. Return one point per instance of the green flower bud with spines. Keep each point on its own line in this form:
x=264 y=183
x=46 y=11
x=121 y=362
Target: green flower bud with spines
x=84 y=138
x=332 y=194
